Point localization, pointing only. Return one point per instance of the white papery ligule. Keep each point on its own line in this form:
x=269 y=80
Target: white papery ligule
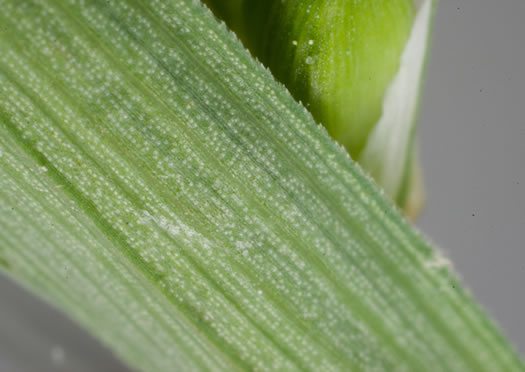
x=390 y=154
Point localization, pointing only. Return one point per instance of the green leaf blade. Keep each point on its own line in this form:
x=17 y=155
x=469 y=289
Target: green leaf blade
x=163 y=190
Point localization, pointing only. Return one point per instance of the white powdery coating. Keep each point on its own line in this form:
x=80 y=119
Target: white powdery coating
x=159 y=184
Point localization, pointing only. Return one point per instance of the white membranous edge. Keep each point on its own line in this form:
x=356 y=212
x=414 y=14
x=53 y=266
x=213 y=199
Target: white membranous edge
x=389 y=145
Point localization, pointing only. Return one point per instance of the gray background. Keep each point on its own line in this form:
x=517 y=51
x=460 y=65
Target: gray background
x=472 y=133
x=472 y=129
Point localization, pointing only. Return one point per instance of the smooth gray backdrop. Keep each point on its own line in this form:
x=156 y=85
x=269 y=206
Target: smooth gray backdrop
x=472 y=130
